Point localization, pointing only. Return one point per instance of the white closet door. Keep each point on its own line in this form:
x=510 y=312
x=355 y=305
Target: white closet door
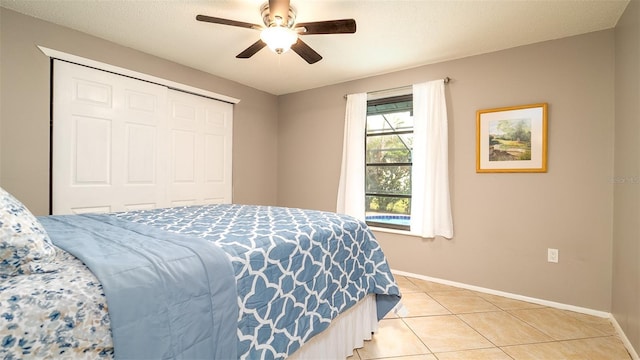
x=123 y=144
x=200 y=150
x=106 y=134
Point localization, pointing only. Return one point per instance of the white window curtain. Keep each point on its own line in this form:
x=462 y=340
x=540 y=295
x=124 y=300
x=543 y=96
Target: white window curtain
x=351 y=187
x=430 y=199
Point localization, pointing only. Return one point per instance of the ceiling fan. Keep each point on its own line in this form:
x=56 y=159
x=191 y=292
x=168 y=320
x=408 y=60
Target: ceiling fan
x=280 y=31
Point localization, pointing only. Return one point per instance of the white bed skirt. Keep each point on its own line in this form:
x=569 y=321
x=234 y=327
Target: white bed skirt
x=347 y=332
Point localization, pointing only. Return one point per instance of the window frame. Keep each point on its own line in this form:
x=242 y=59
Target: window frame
x=386 y=101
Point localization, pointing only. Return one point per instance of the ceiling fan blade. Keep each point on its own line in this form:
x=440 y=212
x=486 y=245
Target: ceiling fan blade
x=344 y=26
x=306 y=52
x=222 y=21
x=279 y=8
x=251 y=50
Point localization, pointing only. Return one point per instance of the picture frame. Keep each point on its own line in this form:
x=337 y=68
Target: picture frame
x=512 y=139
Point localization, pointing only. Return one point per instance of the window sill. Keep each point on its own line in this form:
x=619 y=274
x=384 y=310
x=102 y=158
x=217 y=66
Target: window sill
x=393 y=231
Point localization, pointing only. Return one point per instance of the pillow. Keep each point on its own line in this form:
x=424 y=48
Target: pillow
x=23 y=241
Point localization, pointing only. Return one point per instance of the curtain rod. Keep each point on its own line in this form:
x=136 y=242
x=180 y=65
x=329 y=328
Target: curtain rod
x=446 y=81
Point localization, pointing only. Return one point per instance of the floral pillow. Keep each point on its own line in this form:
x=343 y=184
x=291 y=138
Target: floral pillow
x=24 y=243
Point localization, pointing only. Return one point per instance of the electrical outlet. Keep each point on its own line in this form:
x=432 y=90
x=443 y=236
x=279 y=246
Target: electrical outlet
x=552 y=255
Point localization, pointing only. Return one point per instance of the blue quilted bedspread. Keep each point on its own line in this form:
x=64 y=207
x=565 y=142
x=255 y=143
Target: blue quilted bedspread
x=169 y=296
x=295 y=270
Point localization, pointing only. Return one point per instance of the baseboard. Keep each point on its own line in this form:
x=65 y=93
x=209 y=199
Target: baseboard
x=553 y=304
x=625 y=340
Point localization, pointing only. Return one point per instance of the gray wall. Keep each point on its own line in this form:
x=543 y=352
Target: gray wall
x=24 y=110
x=626 y=220
x=504 y=223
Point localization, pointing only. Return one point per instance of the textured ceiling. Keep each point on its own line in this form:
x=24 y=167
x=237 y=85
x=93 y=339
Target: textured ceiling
x=391 y=35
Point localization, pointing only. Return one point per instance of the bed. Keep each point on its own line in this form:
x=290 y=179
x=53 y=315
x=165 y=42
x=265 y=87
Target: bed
x=215 y=281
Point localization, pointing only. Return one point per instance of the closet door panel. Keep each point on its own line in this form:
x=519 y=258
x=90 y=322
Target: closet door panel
x=200 y=165
x=123 y=144
x=141 y=166
x=183 y=157
x=141 y=146
x=92 y=153
x=218 y=142
x=106 y=130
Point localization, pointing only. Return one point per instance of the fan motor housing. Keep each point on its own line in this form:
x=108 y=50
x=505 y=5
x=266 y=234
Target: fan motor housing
x=264 y=11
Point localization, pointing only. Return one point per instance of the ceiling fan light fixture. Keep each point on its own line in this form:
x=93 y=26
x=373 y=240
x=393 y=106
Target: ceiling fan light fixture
x=280 y=31
x=279 y=38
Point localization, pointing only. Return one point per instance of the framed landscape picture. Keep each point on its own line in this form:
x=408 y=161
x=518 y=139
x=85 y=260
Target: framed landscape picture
x=512 y=139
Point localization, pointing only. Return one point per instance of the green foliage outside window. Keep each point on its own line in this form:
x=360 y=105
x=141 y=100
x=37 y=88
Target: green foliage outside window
x=388 y=157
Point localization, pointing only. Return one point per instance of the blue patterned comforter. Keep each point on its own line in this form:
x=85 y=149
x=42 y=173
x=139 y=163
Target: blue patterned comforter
x=295 y=271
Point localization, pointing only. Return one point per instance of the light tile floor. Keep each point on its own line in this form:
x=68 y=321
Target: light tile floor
x=450 y=323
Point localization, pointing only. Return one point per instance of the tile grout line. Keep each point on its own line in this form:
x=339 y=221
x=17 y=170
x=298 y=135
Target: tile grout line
x=417 y=337
x=597 y=330
x=458 y=317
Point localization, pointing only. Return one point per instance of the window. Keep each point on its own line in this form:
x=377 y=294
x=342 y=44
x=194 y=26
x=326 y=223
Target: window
x=389 y=146
x=364 y=184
